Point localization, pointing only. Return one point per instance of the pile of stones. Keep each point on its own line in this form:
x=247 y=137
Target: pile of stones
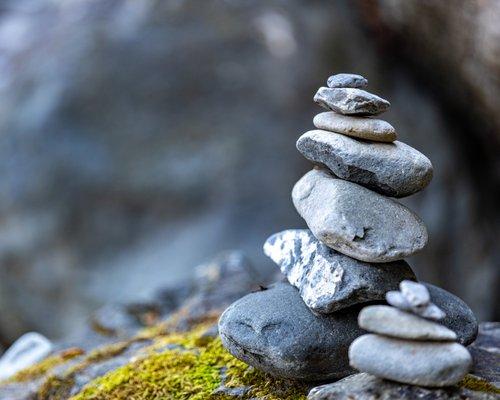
x=416 y=350
x=353 y=251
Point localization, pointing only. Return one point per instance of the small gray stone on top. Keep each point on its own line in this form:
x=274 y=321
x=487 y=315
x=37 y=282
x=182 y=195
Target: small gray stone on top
x=356 y=221
x=392 y=169
x=434 y=364
x=347 y=81
x=328 y=280
x=358 y=127
x=415 y=293
x=390 y=321
x=350 y=101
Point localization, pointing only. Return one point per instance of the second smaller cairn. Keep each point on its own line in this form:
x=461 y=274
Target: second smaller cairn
x=407 y=344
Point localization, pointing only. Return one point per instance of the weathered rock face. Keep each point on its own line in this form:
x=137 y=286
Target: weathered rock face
x=350 y=101
x=367 y=387
x=328 y=280
x=356 y=221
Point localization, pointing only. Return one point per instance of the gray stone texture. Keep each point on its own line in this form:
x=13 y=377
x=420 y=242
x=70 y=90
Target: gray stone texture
x=364 y=386
x=356 y=221
x=392 y=169
x=350 y=101
x=359 y=127
x=390 y=321
x=347 y=81
x=433 y=364
x=328 y=280
x=274 y=331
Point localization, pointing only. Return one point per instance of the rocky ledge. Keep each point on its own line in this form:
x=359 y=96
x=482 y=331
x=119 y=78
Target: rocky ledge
x=170 y=348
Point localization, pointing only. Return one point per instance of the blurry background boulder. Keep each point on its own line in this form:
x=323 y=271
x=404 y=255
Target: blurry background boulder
x=140 y=137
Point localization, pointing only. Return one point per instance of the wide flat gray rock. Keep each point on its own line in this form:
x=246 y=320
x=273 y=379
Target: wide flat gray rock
x=347 y=81
x=392 y=169
x=364 y=386
x=273 y=330
x=390 y=321
x=328 y=280
x=356 y=221
x=350 y=101
x=459 y=317
x=358 y=127
x=434 y=364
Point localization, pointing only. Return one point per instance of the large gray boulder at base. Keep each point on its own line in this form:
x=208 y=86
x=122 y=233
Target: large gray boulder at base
x=356 y=221
x=459 y=317
x=273 y=330
x=434 y=364
x=364 y=386
x=328 y=280
x=392 y=169
x=350 y=101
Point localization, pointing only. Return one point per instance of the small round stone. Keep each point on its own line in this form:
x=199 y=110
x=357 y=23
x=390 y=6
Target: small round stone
x=274 y=331
x=434 y=364
x=347 y=81
x=359 y=127
x=390 y=321
x=415 y=293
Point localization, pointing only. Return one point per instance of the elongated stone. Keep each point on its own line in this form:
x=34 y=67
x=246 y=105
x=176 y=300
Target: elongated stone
x=347 y=81
x=390 y=321
x=431 y=364
x=392 y=169
x=358 y=127
x=356 y=221
x=350 y=101
x=328 y=280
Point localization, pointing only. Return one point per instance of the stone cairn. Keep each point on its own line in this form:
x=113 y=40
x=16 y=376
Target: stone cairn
x=350 y=255
x=415 y=349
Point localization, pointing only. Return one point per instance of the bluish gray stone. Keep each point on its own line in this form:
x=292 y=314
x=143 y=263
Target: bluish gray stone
x=390 y=321
x=350 y=101
x=358 y=127
x=328 y=280
x=347 y=81
x=392 y=169
x=356 y=221
x=434 y=364
x=273 y=330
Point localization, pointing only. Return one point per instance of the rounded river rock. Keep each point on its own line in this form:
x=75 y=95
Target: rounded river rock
x=328 y=280
x=356 y=221
x=392 y=169
x=347 y=80
x=350 y=101
x=274 y=331
x=358 y=127
x=434 y=364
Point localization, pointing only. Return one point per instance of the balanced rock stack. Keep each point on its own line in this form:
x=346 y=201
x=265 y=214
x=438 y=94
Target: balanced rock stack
x=352 y=252
x=416 y=350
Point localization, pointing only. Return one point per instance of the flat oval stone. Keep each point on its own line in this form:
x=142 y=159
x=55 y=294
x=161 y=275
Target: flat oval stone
x=356 y=221
x=459 y=317
x=328 y=280
x=392 y=169
x=274 y=331
x=350 y=101
x=390 y=321
x=358 y=127
x=347 y=80
x=434 y=364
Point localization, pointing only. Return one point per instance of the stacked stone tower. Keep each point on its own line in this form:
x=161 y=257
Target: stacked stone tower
x=352 y=252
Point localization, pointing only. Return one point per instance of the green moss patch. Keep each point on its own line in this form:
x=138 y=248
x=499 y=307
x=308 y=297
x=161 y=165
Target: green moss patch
x=472 y=382
x=188 y=366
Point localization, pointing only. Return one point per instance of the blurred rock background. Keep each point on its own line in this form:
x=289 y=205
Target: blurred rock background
x=140 y=137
